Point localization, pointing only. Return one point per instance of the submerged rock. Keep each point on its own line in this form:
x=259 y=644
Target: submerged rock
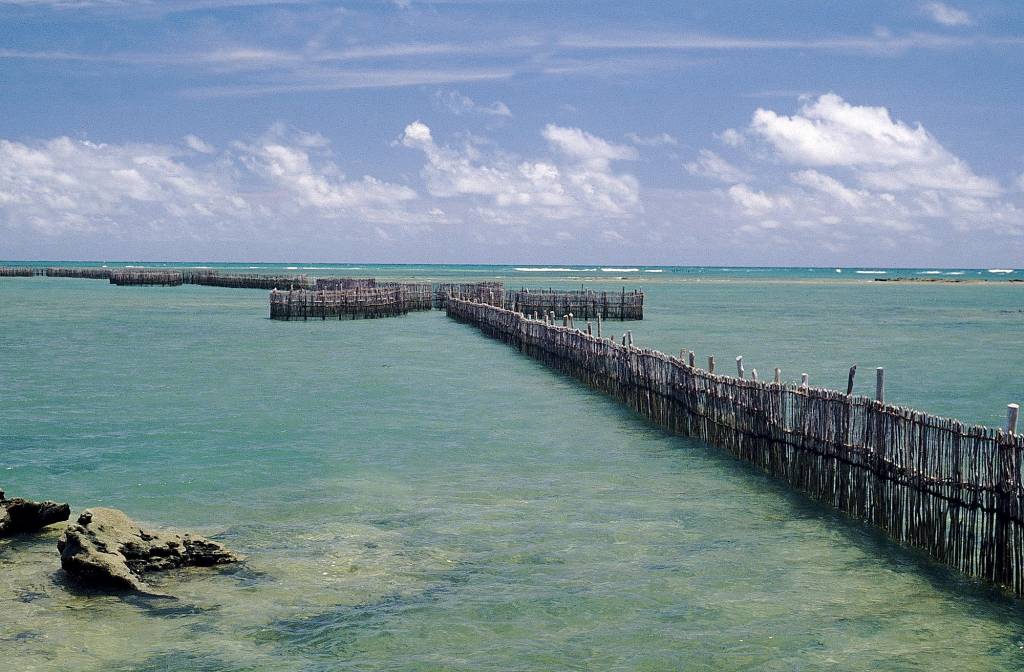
x=23 y=515
x=106 y=548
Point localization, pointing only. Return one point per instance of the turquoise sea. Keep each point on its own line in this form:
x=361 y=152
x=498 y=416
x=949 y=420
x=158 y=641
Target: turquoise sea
x=414 y=496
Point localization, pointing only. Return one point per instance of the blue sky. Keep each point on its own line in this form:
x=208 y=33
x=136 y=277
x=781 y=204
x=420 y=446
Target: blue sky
x=746 y=133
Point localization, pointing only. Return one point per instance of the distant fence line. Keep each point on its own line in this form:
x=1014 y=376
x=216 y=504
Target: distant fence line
x=145 y=277
x=214 y=278
x=583 y=304
x=18 y=271
x=88 y=272
x=951 y=489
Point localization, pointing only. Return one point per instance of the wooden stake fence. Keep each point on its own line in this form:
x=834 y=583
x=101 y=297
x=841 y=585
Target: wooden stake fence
x=950 y=489
x=89 y=273
x=585 y=304
x=213 y=278
x=18 y=271
x=145 y=277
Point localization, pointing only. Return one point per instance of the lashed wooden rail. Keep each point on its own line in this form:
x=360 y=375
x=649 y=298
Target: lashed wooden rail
x=584 y=304
x=934 y=483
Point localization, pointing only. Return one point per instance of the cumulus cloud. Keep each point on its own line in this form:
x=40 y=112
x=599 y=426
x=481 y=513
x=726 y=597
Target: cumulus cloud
x=886 y=154
x=713 y=166
x=841 y=176
x=321 y=186
x=459 y=104
x=65 y=185
x=577 y=181
x=944 y=14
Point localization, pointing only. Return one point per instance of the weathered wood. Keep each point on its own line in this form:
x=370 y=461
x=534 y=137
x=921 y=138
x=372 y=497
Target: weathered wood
x=145 y=277
x=849 y=380
x=778 y=375
x=879 y=384
x=582 y=303
x=711 y=363
x=950 y=489
x=1012 y=410
x=739 y=366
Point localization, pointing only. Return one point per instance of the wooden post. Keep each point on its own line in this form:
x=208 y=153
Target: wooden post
x=629 y=335
x=711 y=364
x=778 y=375
x=1012 y=411
x=803 y=380
x=739 y=366
x=693 y=358
x=753 y=375
x=589 y=332
x=571 y=325
x=599 y=325
x=682 y=355
x=565 y=320
x=880 y=384
x=849 y=380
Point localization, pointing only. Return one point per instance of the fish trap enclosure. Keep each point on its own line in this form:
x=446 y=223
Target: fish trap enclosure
x=417 y=295
x=488 y=292
x=302 y=304
x=146 y=277
x=583 y=304
x=950 y=489
x=335 y=284
x=89 y=273
x=212 y=278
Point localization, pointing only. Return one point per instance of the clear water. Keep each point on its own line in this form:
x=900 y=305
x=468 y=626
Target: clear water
x=414 y=496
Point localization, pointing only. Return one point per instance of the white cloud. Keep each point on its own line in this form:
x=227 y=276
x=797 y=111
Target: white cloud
x=755 y=202
x=197 y=144
x=657 y=140
x=831 y=186
x=731 y=137
x=577 y=182
x=64 y=185
x=713 y=166
x=460 y=104
x=885 y=154
x=946 y=15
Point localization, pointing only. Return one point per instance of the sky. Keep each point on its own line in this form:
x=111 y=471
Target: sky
x=760 y=133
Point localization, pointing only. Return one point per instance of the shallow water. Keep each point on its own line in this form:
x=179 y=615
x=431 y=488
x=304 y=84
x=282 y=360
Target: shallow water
x=414 y=496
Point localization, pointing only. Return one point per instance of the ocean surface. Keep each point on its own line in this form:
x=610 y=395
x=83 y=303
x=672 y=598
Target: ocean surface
x=414 y=496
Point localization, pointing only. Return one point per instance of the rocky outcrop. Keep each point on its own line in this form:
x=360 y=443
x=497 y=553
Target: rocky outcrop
x=23 y=515
x=106 y=548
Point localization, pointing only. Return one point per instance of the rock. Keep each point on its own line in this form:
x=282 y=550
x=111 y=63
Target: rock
x=106 y=548
x=23 y=515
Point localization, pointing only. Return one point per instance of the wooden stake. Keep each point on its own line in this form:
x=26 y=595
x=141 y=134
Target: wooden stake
x=880 y=384
x=778 y=375
x=803 y=380
x=849 y=380
x=693 y=358
x=1012 y=410
x=753 y=375
x=711 y=364
x=739 y=366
